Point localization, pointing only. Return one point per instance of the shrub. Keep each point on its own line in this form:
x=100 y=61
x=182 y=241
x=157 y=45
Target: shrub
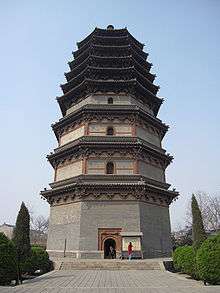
x=38 y=260
x=3 y=239
x=208 y=260
x=184 y=259
x=177 y=258
x=8 y=262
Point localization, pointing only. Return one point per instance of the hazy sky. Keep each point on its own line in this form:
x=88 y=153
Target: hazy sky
x=37 y=38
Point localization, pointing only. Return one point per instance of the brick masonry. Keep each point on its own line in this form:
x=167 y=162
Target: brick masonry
x=78 y=223
x=103 y=99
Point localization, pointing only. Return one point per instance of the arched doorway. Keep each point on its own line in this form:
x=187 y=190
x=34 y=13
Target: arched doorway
x=107 y=244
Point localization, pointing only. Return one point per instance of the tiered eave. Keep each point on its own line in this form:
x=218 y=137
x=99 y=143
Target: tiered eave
x=93 y=71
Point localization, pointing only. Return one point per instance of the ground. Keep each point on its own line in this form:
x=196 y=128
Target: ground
x=130 y=281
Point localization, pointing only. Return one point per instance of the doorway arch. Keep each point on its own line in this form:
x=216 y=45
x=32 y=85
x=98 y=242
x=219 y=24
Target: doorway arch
x=109 y=242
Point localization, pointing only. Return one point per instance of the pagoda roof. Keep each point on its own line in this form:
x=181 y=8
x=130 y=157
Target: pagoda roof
x=108 y=142
x=124 y=73
x=110 y=48
x=110 y=51
x=111 y=62
x=105 y=33
x=89 y=86
x=90 y=139
x=92 y=178
x=111 y=40
x=106 y=109
x=82 y=189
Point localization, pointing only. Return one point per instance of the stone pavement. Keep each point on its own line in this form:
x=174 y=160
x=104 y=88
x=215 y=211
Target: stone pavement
x=92 y=281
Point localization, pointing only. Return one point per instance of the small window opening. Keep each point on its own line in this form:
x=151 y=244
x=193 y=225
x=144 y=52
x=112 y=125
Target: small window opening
x=110 y=131
x=110 y=100
x=109 y=168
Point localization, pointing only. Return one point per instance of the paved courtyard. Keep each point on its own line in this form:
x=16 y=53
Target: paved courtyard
x=111 y=281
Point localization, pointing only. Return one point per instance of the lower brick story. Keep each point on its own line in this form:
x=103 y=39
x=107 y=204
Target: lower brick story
x=74 y=229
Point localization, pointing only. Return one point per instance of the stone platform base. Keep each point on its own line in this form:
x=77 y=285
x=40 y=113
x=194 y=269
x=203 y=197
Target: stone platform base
x=56 y=254
x=105 y=264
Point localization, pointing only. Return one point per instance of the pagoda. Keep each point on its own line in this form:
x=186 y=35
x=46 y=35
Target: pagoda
x=109 y=185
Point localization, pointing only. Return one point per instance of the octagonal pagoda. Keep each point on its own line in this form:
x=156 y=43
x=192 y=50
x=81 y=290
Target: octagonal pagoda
x=109 y=165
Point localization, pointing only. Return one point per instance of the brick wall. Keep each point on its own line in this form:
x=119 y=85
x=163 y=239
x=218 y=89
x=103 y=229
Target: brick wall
x=103 y=99
x=98 y=166
x=78 y=223
x=70 y=170
x=106 y=214
x=101 y=129
x=155 y=225
x=150 y=171
x=72 y=135
x=148 y=136
x=64 y=224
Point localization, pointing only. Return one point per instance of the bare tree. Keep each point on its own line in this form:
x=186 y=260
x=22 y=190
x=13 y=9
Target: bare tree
x=210 y=210
x=40 y=224
x=181 y=237
x=38 y=233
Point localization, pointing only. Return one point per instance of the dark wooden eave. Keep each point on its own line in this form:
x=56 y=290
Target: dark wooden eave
x=108 y=142
x=107 y=33
x=82 y=189
x=111 y=62
x=124 y=73
x=91 y=109
x=110 y=41
x=108 y=48
x=89 y=86
x=109 y=51
x=103 y=178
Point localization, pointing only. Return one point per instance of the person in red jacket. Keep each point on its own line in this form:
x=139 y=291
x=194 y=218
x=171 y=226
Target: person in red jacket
x=130 y=250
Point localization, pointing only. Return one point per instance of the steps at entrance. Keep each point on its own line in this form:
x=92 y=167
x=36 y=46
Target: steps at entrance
x=148 y=264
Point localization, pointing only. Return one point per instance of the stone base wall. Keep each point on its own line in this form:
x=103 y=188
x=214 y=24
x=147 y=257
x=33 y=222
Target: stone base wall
x=53 y=254
x=106 y=214
x=74 y=227
x=64 y=227
x=155 y=226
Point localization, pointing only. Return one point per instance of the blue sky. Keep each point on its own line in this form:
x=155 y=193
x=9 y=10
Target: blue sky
x=37 y=38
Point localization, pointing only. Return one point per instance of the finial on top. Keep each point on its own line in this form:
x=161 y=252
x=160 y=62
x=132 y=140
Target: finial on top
x=110 y=27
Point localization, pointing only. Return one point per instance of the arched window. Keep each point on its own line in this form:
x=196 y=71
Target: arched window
x=110 y=131
x=109 y=168
x=110 y=100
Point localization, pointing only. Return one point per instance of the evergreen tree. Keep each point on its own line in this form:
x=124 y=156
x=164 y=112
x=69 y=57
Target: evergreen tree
x=198 y=231
x=8 y=261
x=21 y=236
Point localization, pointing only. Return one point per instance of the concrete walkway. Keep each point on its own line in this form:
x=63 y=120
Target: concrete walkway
x=111 y=281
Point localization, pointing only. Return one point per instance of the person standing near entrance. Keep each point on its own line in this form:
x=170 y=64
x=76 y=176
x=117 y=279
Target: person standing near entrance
x=111 y=252
x=130 y=250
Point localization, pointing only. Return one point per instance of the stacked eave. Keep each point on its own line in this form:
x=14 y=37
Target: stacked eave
x=93 y=109
x=90 y=73
x=81 y=145
x=108 y=33
x=110 y=62
x=139 y=187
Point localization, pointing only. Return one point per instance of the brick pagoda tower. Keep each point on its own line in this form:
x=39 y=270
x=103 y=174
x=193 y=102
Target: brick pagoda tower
x=109 y=186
